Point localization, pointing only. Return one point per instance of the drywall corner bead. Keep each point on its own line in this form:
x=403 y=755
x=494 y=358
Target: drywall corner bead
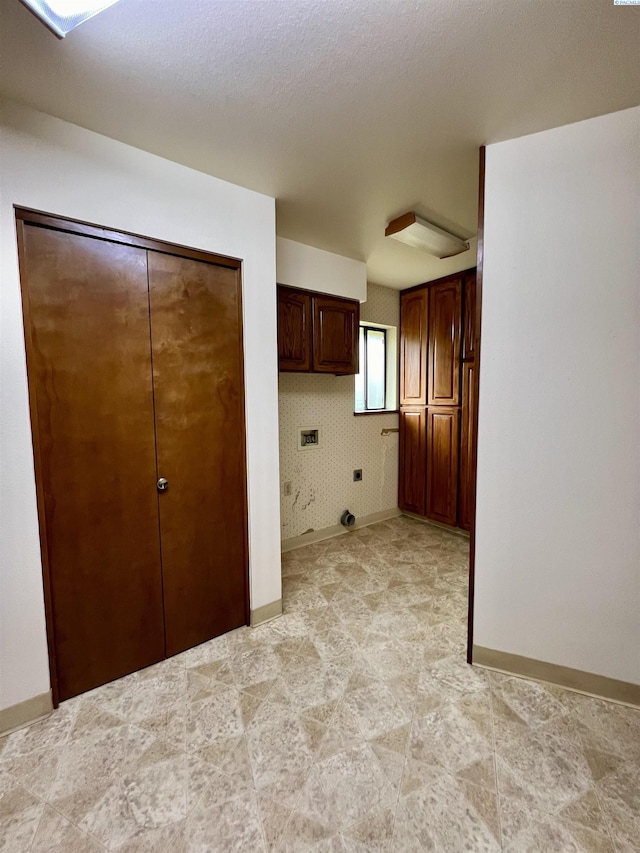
x=298 y=265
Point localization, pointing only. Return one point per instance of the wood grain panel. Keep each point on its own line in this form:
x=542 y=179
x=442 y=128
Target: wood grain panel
x=443 y=436
x=445 y=319
x=89 y=364
x=467 y=472
x=469 y=317
x=412 y=480
x=294 y=330
x=414 y=312
x=196 y=324
x=90 y=229
x=478 y=350
x=335 y=334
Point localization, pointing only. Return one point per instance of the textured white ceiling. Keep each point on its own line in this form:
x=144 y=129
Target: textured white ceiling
x=349 y=112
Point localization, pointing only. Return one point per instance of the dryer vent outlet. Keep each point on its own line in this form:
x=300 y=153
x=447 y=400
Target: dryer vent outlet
x=347 y=519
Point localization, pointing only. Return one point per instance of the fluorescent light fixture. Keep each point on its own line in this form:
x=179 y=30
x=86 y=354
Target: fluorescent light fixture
x=420 y=234
x=62 y=16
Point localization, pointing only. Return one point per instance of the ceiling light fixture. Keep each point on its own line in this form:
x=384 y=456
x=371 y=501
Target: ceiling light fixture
x=420 y=234
x=62 y=16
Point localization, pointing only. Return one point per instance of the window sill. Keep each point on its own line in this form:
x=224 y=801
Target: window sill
x=377 y=412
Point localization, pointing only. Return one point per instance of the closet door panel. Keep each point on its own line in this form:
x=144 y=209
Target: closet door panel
x=196 y=330
x=89 y=363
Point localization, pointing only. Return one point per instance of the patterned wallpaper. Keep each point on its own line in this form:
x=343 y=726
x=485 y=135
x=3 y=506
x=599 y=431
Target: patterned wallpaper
x=321 y=478
x=382 y=305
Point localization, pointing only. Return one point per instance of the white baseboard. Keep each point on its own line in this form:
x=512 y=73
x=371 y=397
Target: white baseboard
x=25 y=713
x=336 y=530
x=457 y=530
x=266 y=612
x=572 y=679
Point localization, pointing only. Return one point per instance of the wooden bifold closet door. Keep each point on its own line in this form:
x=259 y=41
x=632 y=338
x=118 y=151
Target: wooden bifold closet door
x=135 y=372
x=199 y=404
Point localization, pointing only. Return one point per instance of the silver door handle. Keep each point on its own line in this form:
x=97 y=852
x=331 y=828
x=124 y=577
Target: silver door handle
x=163 y=484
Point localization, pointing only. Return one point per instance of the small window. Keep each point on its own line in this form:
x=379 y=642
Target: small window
x=375 y=385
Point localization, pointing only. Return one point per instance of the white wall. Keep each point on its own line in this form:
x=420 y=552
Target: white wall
x=321 y=478
x=56 y=167
x=558 y=524
x=314 y=269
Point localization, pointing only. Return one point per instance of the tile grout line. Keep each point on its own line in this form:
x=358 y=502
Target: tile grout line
x=495 y=764
x=603 y=811
x=404 y=770
x=35 y=834
x=294 y=808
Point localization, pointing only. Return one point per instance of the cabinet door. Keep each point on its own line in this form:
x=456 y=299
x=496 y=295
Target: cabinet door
x=196 y=326
x=335 y=334
x=414 y=311
x=467 y=477
x=294 y=330
x=445 y=318
x=469 y=319
x=413 y=434
x=443 y=435
x=89 y=362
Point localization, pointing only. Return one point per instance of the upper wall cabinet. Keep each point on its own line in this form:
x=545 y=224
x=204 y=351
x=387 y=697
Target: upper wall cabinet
x=414 y=312
x=317 y=333
x=294 y=329
x=445 y=312
x=336 y=324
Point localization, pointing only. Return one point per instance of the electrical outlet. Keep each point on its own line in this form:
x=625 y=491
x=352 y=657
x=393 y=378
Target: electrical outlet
x=357 y=475
x=286 y=489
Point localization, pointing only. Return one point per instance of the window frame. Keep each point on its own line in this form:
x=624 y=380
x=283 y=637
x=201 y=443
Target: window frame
x=364 y=327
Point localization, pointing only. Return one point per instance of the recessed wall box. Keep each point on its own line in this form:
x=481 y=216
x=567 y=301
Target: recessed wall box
x=308 y=437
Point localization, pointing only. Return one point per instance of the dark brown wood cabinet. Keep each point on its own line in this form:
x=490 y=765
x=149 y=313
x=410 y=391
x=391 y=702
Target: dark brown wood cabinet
x=467 y=478
x=336 y=324
x=443 y=436
x=438 y=341
x=317 y=332
x=445 y=319
x=413 y=436
x=414 y=317
x=135 y=367
x=294 y=329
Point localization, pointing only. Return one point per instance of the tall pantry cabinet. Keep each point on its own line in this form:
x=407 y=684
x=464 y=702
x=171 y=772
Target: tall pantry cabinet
x=437 y=363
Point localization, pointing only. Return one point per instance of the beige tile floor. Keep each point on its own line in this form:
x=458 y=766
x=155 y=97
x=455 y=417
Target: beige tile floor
x=351 y=724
